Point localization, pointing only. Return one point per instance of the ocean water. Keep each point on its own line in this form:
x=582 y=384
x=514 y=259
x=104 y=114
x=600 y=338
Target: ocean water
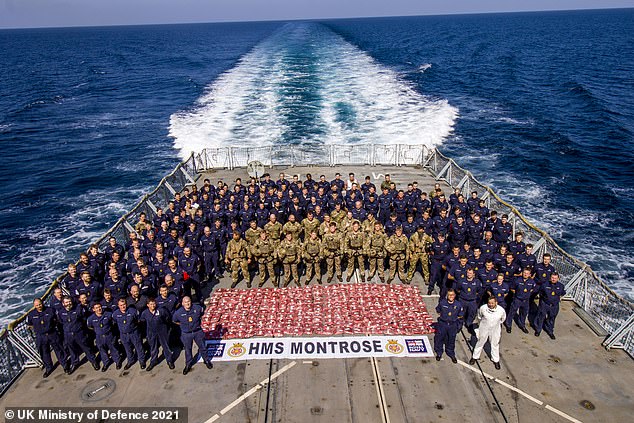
x=538 y=105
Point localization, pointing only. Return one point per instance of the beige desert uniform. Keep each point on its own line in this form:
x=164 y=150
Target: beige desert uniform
x=353 y=249
x=264 y=252
x=375 y=249
x=310 y=225
x=397 y=249
x=324 y=228
x=331 y=250
x=289 y=252
x=337 y=217
x=367 y=225
x=274 y=231
x=251 y=235
x=293 y=228
x=417 y=251
x=237 y=256
x=312 y=258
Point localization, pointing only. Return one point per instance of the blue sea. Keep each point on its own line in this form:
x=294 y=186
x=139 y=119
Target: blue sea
x=538 y=105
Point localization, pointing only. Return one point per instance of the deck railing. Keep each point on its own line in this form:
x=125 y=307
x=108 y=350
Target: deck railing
x=612 y=312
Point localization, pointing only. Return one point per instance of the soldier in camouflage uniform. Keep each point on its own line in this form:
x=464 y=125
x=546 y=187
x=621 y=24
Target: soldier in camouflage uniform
x=417 y=251
x=325 y=226
x=367 y=226
x=346 y=224
x=311 y=251
x=375 y=249
x=274 y=230
x=238 y=257
x=337 y=215
x=331 y=250
x=310 y=224
x=353 y=249
x=397 y=249
x=289 y=251
x=263 y=250
x=292 y=227
x=253 y=233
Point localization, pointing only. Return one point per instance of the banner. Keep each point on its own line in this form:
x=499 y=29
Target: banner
x=319 y=347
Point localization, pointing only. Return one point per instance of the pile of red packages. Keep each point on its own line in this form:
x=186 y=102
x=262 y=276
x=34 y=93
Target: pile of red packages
x=346 y=309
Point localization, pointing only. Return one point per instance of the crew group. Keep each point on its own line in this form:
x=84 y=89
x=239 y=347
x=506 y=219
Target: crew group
x=289 y=226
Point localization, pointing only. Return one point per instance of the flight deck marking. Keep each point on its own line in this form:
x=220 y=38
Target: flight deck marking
x=519 y=391
x=250 y=392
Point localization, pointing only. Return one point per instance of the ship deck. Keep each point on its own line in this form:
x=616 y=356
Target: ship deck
x=572 y=378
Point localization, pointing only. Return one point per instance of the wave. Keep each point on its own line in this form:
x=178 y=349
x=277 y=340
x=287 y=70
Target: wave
x=34 y=257
x=422 y=68
x=306 y=84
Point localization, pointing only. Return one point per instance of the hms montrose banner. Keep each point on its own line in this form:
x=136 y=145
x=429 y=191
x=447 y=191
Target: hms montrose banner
x=319 y=348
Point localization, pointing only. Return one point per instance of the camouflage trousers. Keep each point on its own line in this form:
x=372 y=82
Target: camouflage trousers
x=313 y=265
x=236 y=265
x=360 y=260
x=263 y=267
x=290 y=273
x=424 y=264
x=334 y=264
x=376 y=263
x=397 y=262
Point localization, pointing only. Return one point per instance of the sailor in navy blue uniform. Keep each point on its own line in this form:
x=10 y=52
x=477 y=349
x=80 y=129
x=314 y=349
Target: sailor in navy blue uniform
x=450 y=319
x=127 y=319
x=518 y=246
x=475 y=230
x=499 y=289
x=166 y=299
x=522 y=288
x=188 y=317
x=503 y=230
x=469 y=291
x=543 y=270
x=488 y=246
x=190 y=263
x=549 y=298
x=440 y=222
x=55 y=302
x=456 y=271
x=385 y=204
x=43 y=321
x=526 y=258
x=73 y=322
x=438 y=251
x=488 y=274
x=157 y=321
x=112 y=247
x=101 y=322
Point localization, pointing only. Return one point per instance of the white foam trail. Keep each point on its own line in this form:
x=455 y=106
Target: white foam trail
x=352 y=98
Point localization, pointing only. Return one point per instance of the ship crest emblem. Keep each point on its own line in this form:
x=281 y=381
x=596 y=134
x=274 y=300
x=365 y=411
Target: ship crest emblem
x=393 y=346
x=237 y=350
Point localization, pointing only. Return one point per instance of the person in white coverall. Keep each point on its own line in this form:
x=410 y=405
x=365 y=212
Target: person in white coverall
x=490 y=316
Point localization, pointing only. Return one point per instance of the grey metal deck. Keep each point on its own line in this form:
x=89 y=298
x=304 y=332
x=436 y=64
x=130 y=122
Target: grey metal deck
x=540 y=378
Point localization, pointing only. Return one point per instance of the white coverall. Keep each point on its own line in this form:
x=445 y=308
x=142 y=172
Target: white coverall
x=490 y=329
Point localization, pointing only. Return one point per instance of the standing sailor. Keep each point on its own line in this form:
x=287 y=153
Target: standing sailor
x=549 y=298
x=188 y=317
x=43 y=321
x=450 y=316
